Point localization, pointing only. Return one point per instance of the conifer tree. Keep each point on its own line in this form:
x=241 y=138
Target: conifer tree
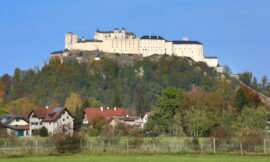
x=116 y=102
x=241 y=99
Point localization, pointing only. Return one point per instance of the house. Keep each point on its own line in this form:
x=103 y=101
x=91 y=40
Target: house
x=56 y=120
x=16 y=125
x=2 y=93
x=127 y=120
x=106 y=113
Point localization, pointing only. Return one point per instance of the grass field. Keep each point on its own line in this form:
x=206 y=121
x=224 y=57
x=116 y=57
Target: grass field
x=142 y=158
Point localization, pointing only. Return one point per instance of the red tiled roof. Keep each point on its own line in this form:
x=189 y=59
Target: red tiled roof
x=2 y=93
x=24 y=127
x=106 y=113
x=48 y=114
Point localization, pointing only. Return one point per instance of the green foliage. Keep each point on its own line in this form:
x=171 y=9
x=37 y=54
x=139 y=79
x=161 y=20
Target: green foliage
x=116 y=102
x=170 y=100
x=252 y=118
x=68 y=144
x=246 y=77
x=198 y=123
x=241 y=99
x=43 y=132
x=168 y=103
x=54 y=83
x=98 y=122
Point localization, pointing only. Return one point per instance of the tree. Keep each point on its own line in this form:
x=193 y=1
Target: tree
x=142 y=106
x=255 y=83
x=43 y=132
x=168 y=104
x=264 y=81
x=93 y=102
x=170 y=100
x=116 y=102
x=246 y=77
x=98 y=123
x=197 y=122
x=241 y=99
x=252 y=118
x=21 y=106
x=227 y=69
x=177 y=125
x=5 y=83
x=254 y=98
x=73 y=101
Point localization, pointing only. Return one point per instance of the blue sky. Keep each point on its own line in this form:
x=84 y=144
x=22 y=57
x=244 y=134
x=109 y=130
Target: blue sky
x=237 y=31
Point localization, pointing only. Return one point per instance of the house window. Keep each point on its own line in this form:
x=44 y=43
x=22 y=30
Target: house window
x=63 y=119
x=49 y=122
x=67 y=117
x=40 y=123
x=17 y=120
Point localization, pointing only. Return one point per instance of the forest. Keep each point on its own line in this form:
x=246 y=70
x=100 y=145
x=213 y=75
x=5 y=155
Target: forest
x=184 y=97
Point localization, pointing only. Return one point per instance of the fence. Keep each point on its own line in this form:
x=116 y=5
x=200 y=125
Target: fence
x=146 y=145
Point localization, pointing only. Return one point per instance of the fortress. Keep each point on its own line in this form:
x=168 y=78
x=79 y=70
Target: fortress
x=123 y=42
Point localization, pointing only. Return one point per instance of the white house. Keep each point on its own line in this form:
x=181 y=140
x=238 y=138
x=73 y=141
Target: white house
x=56 y=120
x=16 y=125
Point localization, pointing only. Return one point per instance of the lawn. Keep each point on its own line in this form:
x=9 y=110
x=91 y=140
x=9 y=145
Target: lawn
x=142 y=158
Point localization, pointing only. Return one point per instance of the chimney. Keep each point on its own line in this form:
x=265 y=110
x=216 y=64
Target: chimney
x=108 y=108
x=185 y=39
x=114 y=108
x=101 y=108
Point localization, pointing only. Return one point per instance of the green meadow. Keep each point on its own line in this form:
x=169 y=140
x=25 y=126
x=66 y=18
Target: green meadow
x=143 y=158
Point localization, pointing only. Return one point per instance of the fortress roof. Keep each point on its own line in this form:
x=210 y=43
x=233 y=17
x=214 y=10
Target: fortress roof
x=152 y=37
x=99 y=31
x=185 y=42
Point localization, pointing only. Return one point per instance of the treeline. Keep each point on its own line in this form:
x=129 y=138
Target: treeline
x=223 y=113
x=262 y=87
x=136 y=85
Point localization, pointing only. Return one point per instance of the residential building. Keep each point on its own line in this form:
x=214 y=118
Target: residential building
x=56 y=120
x=107 y=113
x=15 y=125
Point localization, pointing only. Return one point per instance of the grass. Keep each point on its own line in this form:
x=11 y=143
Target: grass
x=143 y=158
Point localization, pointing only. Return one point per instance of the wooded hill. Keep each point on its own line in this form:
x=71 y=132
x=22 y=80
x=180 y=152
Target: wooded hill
x=135 y=85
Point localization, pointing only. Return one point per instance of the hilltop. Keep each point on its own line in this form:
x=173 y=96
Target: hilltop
x=125 y=76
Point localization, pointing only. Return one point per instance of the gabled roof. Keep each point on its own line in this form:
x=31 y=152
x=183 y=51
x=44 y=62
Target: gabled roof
x=6 y=119
x=106 y=113
x=48 y=114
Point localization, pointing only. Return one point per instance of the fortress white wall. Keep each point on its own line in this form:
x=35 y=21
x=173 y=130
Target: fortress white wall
x=122 y=45
x=152 y=46
x=120 y=41
x=193 y=51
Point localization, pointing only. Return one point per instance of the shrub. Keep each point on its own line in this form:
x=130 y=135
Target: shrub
x=250 y=138
x=68 y=144
x=43 y=132
x=222 y=135
x=135 y=142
